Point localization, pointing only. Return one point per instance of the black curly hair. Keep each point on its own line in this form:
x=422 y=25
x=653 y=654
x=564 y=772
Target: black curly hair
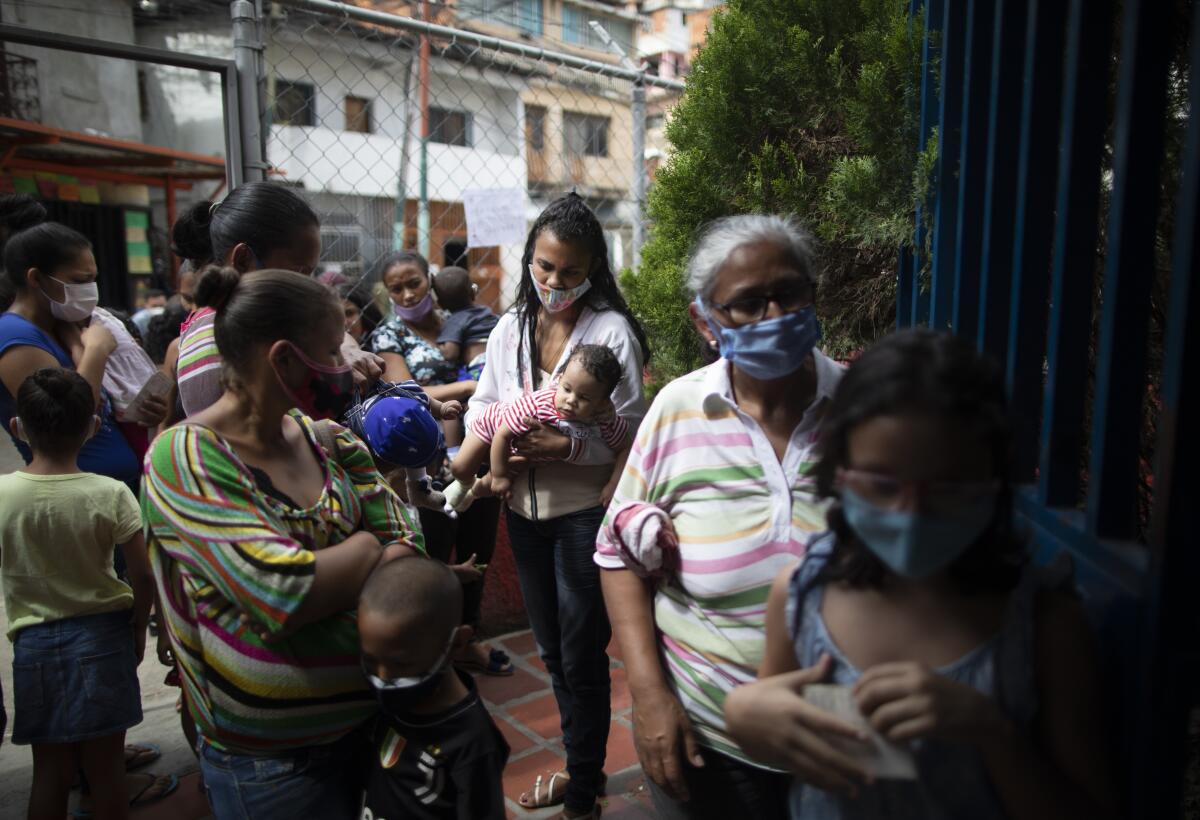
x=57 y=409
x=924 y=371
x=600 y=362
x=570 y=220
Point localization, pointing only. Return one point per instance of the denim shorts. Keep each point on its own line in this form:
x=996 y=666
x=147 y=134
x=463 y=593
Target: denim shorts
x=75 y=679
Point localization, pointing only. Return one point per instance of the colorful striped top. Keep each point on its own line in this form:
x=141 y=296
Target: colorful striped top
x=739 y=514
x=198 y=372
x=220 y=546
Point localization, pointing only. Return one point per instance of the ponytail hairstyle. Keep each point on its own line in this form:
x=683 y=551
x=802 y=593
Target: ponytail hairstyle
x=47 y=247
x=570 y=220
x=264 y=215
x=939 y=374
x=57 y=410
x=260 y=308
x=17 y=212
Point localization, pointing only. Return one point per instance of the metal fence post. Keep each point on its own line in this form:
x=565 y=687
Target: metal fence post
x=639 y=168
x=247 y=48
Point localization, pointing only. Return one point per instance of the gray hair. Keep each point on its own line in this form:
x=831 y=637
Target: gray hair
x=725 y=235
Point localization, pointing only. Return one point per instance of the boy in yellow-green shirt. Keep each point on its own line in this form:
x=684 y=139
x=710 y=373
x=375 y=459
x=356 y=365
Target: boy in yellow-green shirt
x=78 y=631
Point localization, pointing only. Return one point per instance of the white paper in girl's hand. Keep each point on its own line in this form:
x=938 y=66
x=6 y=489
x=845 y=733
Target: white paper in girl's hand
x=157 y=386
x=879 y=756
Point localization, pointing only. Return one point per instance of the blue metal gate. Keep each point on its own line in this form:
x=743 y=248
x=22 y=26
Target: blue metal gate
x=1006 y=252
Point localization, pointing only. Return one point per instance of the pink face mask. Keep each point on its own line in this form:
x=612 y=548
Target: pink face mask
x=555 y=300
x=328 y=391
x=418 y=311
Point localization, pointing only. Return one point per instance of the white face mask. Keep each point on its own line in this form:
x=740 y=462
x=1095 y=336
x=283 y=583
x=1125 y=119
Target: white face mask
x=79 y=300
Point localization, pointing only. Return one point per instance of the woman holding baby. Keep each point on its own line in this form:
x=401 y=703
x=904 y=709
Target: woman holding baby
x=568 y=297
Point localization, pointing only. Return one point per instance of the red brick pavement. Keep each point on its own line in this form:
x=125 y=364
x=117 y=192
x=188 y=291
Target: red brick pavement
x=526 y=713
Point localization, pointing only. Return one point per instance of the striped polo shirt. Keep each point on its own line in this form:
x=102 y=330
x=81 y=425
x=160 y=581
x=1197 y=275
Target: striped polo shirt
x=198 y=372
x=221 y=547
x=740 y=516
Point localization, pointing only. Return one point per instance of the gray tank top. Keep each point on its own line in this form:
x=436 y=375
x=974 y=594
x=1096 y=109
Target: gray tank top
x=952 y=781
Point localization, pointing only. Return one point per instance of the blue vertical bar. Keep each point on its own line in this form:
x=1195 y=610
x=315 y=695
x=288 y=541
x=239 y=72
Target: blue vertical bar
x=1174 y=533
x=950 y=119
x=908 y=260
x=1089 y=39
x=918 y=303
x=977 y=81
x=995 y=264
x=1037 y=167
x=1128 y=270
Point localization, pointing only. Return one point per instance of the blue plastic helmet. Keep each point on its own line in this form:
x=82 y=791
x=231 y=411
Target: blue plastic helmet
x=399 y=429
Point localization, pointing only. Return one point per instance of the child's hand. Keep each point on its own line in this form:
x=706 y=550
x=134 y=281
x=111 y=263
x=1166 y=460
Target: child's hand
x=467 y=572
x=906 y=700
x=501 y=486
x=96 y=336
x=451 y=409
x=773 y=723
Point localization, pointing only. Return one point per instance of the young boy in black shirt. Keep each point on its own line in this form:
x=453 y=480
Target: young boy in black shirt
x=435 y=751
x=464 y=335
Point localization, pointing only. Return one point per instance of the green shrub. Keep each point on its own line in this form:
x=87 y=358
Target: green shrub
x=805 y=107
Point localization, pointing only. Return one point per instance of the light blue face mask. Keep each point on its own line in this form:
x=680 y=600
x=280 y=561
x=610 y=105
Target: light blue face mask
x=912 y=544
x=771 y=348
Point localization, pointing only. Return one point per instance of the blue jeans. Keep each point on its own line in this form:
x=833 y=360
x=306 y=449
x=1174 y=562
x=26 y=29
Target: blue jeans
x=318 y=781
x=561 y=587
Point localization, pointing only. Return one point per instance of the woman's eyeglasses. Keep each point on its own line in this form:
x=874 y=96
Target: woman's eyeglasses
x=750 y=309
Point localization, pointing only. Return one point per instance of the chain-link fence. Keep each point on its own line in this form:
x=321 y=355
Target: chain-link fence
x=394 y=127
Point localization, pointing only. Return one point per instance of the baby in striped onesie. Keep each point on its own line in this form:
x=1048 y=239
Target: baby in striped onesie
x=578 y=402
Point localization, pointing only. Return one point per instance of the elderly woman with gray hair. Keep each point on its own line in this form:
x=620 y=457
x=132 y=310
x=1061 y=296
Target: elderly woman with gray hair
x=715 y=499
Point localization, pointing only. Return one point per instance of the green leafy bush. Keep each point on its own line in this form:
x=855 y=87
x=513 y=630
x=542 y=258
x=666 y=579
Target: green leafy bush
x=805 y=107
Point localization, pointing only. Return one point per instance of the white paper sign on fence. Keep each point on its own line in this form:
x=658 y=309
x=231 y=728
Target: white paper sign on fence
x=495 y=216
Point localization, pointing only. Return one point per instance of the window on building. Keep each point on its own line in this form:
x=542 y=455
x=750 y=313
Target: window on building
x=535 y=127
x=294 y=104
x=586 y=135
x=577 y=31
x=523 y=15
x=358 y=115
x=449 y=127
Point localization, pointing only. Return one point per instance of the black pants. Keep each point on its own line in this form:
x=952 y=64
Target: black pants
x=725 y=788
x=473 y=532
x=561 y=587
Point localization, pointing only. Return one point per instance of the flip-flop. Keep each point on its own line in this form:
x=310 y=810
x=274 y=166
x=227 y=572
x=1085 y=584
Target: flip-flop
x=147 y=753
x=137 y=800
x=555 y=793
x=499 y=665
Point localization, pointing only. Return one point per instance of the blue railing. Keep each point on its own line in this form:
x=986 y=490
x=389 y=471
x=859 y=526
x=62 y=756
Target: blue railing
x=1007 y=252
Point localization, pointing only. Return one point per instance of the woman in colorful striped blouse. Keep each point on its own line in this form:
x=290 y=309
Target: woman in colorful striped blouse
x=261 y=539
x=715 y=499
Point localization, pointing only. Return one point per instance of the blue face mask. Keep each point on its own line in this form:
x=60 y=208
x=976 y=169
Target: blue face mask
x=770 y=349
x=912 y=544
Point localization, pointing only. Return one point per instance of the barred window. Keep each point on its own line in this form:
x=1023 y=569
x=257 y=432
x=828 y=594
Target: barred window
x=575 y=29
x=294 y=104
x=586 y=135
x=449 y=127
x=535 y=127
x=523 y=15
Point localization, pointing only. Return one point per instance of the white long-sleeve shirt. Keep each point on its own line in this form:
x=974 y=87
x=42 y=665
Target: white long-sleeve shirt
x=553 y=489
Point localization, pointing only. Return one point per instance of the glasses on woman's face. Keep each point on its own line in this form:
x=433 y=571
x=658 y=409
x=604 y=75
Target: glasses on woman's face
x=890 y=493
x=750 y=309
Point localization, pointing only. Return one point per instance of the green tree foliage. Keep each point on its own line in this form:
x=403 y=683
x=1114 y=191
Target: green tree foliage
x=793 y=106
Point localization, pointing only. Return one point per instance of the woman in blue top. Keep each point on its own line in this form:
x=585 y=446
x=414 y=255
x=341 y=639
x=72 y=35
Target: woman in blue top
x=53 y=273
x=407 y=343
